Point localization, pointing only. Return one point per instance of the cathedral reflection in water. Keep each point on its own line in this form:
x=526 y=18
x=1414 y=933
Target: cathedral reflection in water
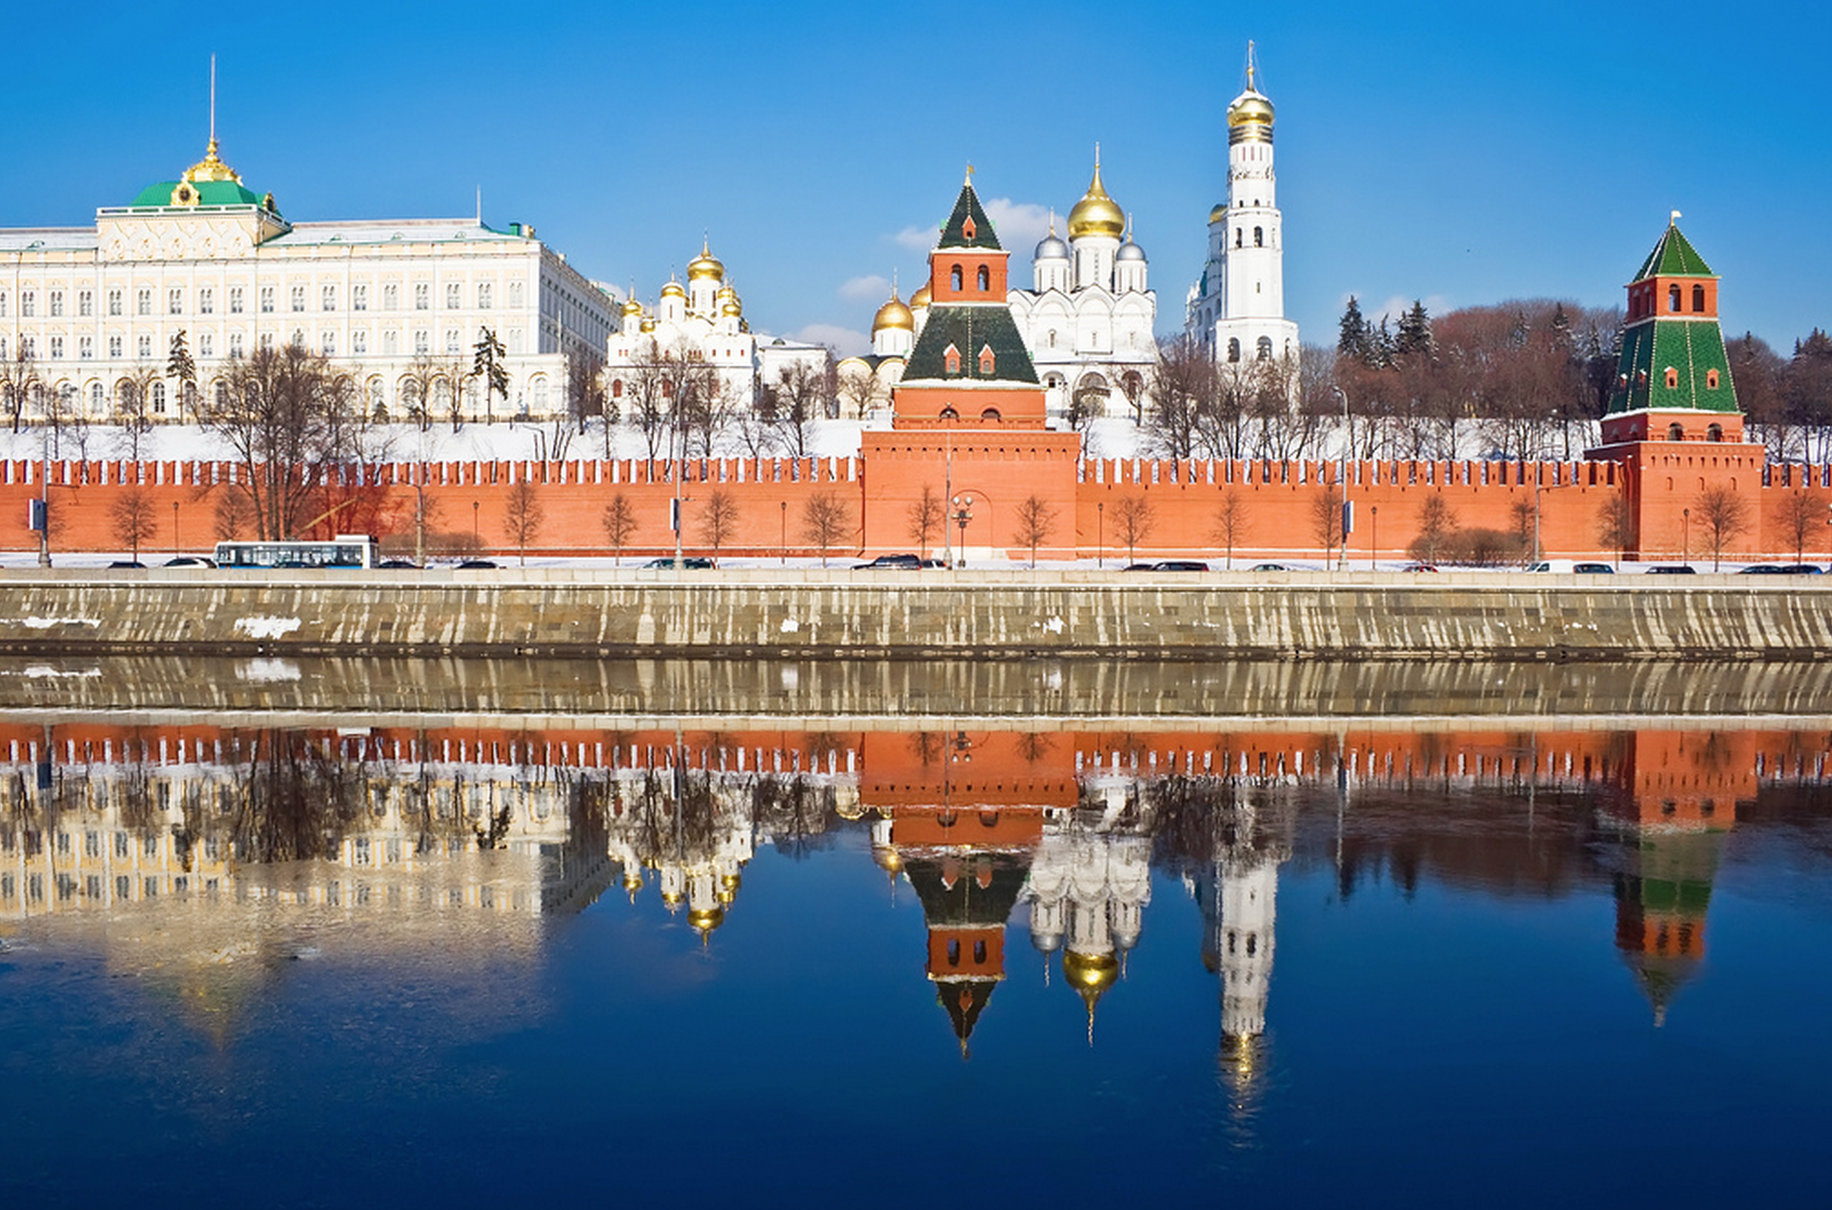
x=192 y=850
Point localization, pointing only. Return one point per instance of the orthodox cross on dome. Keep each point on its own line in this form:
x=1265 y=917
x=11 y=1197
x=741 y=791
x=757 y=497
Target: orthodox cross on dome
x=1252 y=67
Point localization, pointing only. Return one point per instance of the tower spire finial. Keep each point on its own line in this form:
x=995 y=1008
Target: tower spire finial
x=969 y=181
x=212 y=103
x=1252 y=67
x=1673 y=219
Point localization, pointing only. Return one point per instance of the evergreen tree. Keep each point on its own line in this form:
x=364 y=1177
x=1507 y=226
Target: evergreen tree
x=487 y=364
x=181 y=369
x=1353 y=340
x=1414 y=335
x=1381 y=346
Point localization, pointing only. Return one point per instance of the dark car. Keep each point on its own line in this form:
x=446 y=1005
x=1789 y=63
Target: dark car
x=1420 y=567
x=933 y=563
x=477 y=565
x=891 y=563
x=1673 y=569
x=128 y=563
x=398 y=565
x=1182 y=565
x=1762 y=569
x=688 y=563
x=1592 y=569
x=1140 y=567
x=1803 y=569
x=190 y=561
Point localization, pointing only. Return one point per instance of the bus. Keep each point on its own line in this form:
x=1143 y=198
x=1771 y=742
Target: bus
x=345 y=550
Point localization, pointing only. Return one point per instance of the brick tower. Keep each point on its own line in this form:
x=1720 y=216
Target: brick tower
x=1673 y=421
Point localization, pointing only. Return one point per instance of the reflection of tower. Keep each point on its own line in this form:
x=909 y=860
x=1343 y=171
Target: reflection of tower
x=1239 y=898
x=1089 y=885
x=967 y=894
x=1676 y=803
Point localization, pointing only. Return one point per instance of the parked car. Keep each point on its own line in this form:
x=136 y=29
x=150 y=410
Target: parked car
x=1763 y=569
x=1593 y=569
x=1803 y=569
x=1272 y=567
x=1182 y=565
x=477 y=565
x=190 y=561
x=1672 y=569
x=933 y=563
x=890 y=563
x=127 y=563
x=1140 y=567
x=688 y=563
x=398 y=565
x=1420 y=567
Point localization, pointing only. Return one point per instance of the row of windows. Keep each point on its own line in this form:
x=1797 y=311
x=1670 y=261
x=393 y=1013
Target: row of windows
x=236 y=299
x=159 y=398
x=235 y=344
x=1262 y=350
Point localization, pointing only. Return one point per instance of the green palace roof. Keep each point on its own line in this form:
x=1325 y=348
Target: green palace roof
x=209 y=193
x=1673 y=256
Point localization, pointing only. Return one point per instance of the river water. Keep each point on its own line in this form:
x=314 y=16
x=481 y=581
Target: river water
x=370 y=933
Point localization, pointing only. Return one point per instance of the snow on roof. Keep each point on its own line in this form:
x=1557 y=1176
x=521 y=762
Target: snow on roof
x=28 y=239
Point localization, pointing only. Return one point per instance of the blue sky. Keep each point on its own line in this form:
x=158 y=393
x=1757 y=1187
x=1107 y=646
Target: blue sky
x=1462 y=154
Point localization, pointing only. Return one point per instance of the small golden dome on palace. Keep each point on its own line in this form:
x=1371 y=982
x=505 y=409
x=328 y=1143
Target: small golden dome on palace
x=893 y=314
x=705 y=265
x=1096 y=213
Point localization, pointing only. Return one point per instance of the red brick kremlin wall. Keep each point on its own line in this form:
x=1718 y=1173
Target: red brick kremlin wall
x=1278 y=502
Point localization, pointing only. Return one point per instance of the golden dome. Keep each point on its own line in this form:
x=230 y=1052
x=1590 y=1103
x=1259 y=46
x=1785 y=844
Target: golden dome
x=706 y=919
x=632 y=307
x=705 y=265
x=920 y=300
x=732 y=309
x=1250 y=107
x=210 y=168
x=726 y=292
x=893 y=314
x=674 y=289
x=648 y=323
x=1219 y=212
x=1096 y=213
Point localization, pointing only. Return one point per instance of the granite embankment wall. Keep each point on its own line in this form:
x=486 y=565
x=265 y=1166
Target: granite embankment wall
x=811 y=613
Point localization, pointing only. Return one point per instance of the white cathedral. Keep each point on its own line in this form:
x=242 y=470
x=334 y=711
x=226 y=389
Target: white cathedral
x=1237 y=310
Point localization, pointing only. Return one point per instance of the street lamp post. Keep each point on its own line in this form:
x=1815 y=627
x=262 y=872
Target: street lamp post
x=1373 y=536
x=1685 y=536
x=784 y=556
x=963 y=513
x=1100 y=535
x=175 y=544
x=1342 y=478
x=476 y=538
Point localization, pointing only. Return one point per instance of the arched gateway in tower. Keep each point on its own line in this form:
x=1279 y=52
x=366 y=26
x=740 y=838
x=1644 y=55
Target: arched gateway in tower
x=968 y=427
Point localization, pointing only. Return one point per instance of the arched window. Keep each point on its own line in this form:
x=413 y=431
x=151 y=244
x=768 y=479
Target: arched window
x=951 y=358
x=1715 y=433
x=1259 y=237
x=1672 y=378
x=159 y=397
x=1239 y=234
x=1233 y=348
x=1711 y=380
x=985 y=277
x=954 y=277
x=986 y=360
x=948 y=413
x=990 y=414
x=1052 y=338
x=616 y=388
x=1673 y=298
x=1675 y=433
x=1698 y=298
x=1265 y=348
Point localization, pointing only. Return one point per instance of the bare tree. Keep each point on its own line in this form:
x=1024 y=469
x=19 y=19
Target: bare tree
x=132 y=519
x=927 y=517
x=619 y=522
x=522 y=517
x=1724 y=515
x=1133 y=518
x=1437 y=524
x=134 y=405
x=826 y=519
x=1231 y=522
x=703 y=407
x=1326 y=519
x=453 y=373
x=1616 y=524
x=418 y=387
x=1183 y=386
x=1034 y=522
x=234 y=515
x=292 y=421
x=861 y=389
x=18 y=380
x=719 y=519
x=803 y=392
x=1801 y=516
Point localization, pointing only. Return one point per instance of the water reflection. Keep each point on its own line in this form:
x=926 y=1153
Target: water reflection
x=203 y=855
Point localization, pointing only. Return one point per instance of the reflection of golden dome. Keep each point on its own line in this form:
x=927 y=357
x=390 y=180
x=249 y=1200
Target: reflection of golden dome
x=887 y=858
x=894 y=314
x=1090 y=974
x=674 y=289
x=920 y=299
x=706 y=919
x=1096 y=213
x=672 y=899
x=1219 y=212
x=705 y=265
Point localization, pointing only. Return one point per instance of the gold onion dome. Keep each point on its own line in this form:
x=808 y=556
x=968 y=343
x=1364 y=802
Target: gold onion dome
x=1219 y=212
x=210 y=168
x=705 y=265
x=631 y=307
x=1096 y=213
x=894 y=314
x=674 y=289
x=920 y=299
x=1250 y=107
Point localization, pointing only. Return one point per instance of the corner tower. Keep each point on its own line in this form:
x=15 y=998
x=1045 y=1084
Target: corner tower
x=1237 y=309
